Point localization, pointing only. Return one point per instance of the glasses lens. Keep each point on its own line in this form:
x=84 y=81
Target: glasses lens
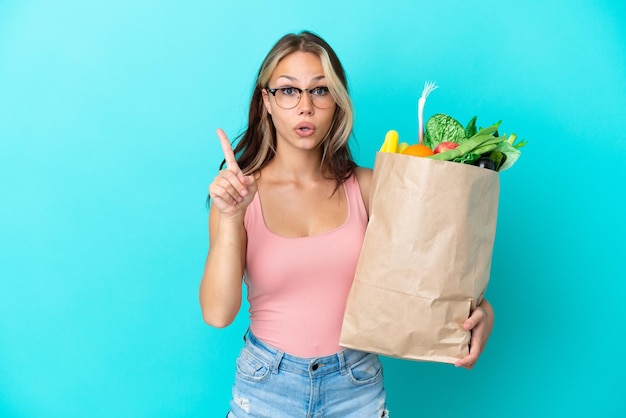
x=321 y=97
x=287 y=97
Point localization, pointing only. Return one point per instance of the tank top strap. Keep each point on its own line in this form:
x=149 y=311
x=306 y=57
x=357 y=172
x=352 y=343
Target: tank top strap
x=356 y=204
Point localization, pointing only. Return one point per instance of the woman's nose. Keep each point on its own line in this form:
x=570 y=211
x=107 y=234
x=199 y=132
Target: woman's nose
x=306 y=102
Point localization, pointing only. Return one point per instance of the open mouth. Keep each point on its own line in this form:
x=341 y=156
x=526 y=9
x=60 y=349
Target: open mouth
x=305 y=129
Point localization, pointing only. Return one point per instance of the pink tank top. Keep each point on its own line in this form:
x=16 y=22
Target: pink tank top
x=297 y=287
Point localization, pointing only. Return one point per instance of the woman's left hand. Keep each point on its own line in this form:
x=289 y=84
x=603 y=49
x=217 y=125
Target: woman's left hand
x=480 y=323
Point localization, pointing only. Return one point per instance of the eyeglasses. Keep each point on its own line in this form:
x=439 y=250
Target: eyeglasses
x=289 y=97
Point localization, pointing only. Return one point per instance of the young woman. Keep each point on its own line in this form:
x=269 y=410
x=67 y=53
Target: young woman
x=289 y=212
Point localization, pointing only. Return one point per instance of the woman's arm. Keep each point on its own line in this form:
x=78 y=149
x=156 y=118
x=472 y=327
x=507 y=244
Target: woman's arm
x=221 y=287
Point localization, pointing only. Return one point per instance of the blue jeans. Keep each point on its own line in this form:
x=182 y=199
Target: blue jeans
x=272 y=384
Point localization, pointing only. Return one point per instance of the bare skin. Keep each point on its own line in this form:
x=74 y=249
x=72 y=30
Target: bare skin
x=297 y=197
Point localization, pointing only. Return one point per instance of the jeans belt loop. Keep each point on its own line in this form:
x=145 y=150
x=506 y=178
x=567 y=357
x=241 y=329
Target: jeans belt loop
x=342 y=363
x=278 y=357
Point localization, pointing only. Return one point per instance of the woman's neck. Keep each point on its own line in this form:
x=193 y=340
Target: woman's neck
x=298 y=166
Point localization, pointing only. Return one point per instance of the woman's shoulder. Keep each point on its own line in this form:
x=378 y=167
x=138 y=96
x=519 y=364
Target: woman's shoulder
x=364 y=177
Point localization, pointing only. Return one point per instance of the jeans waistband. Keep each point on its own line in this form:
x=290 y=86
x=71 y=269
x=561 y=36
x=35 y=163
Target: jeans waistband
x=279 y=360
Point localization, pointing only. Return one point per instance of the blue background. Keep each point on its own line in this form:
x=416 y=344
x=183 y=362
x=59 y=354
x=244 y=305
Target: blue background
x=107 y=117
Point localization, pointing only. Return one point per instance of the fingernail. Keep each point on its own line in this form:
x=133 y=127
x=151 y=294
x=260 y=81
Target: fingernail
x=243 y=192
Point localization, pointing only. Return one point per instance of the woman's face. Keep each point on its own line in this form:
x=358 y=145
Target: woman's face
x=305 y=125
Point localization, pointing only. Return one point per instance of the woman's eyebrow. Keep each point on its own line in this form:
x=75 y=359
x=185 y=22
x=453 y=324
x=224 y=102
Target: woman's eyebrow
x=288 y=77
x=292 y=78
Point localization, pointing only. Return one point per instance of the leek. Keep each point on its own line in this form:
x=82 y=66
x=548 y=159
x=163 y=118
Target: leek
x=429 y=86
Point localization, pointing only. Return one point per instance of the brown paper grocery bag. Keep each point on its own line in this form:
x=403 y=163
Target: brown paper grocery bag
x=426 y=258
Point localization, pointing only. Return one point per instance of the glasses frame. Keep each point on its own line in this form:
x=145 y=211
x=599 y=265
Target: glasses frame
x=299 y=90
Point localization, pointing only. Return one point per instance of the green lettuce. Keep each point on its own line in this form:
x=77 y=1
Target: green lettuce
x=441 y=128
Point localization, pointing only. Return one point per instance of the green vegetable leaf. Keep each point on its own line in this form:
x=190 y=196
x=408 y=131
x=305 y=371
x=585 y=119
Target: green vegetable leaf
x=511 y=140
x=468 y=158
x=520 y=144
x=511 y=154
x=441 y=128
x=470 y=129
x=498 y=158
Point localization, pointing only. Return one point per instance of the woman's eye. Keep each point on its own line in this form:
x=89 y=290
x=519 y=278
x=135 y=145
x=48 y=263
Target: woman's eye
x=320 y=91
x=288 y=91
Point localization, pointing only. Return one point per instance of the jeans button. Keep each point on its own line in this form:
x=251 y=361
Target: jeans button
x=315 y=367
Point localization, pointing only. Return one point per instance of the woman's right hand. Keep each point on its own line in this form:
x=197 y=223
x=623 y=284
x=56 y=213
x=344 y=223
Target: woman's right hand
x=231 y=191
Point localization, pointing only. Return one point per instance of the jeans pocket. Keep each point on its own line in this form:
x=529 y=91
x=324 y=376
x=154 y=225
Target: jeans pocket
x=367 y=370
x=250 y=367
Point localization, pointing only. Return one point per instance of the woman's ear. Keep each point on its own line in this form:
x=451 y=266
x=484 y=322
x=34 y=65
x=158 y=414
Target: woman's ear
x=266 y=101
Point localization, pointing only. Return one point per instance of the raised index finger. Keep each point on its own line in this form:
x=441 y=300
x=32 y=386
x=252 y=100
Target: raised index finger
x=227 y=149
